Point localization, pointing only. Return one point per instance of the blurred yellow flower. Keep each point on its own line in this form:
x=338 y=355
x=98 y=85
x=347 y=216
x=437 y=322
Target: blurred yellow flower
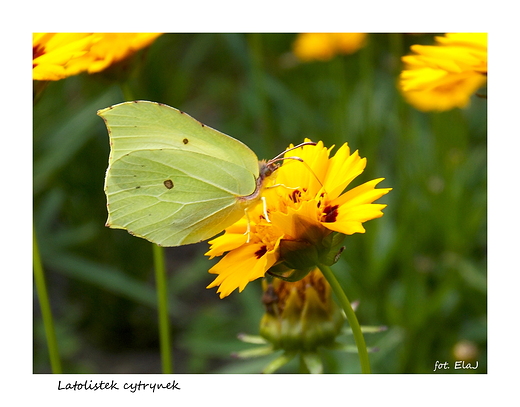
x=53 y=52
x=444 y=76
x=324 y=46
x=59 y=55
x=304 y=206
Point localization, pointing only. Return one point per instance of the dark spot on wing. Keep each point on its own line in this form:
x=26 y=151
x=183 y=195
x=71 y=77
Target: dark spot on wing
x=185 y=141
x=168 y=183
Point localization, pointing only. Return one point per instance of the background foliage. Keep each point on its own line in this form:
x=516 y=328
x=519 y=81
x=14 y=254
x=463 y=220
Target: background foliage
x=420 y=270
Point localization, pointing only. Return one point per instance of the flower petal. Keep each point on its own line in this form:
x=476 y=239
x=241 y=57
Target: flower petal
x=240 y=266
x=343 y=168
x=226 y=243
x=362 y=194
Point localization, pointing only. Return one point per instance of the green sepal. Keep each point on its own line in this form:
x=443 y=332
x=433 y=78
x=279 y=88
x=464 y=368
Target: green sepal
x=279 y=362
x=331 y=248
x=312 y=362
x=299 y=255
x=292 y=276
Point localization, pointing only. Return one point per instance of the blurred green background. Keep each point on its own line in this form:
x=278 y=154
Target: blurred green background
x=420 y=269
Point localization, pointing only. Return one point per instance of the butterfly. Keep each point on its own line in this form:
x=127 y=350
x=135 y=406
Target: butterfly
x=173 y=180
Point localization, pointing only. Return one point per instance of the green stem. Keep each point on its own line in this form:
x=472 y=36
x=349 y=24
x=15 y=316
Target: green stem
x=351 y=317
x=303 y=367
x=162 y=305
x=43 y=298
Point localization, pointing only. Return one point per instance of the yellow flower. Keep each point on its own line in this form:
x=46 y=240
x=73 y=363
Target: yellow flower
x=444 y=76
x=59 y=55
x=324 y=46
x=304 y=205
x=53 y=52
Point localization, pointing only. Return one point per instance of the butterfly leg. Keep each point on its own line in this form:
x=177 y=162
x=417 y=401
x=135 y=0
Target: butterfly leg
x=264 y=204
x=248 y=230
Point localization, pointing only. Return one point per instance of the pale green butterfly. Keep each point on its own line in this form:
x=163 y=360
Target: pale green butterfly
x=173 y=180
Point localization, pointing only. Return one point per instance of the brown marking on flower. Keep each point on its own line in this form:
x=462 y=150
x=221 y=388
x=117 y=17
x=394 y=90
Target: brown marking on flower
x=260 y=252
x=282 y=289
x=319 y=283
x=330 y=213
x=269 y=299
x=38 y=51
x=295 y=195
x=320 y=199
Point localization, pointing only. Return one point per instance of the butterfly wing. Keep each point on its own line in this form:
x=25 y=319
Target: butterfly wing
x=171 y=179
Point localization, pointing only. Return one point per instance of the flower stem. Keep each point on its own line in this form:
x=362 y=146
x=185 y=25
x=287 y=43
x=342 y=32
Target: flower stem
x=351 y=317
x=162 y=306
x=43 y=298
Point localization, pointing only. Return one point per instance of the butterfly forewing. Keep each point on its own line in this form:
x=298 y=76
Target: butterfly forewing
x=148 y=125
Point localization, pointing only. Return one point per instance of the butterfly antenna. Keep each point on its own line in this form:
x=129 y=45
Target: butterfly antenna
x=279 y=156
x=307 y=165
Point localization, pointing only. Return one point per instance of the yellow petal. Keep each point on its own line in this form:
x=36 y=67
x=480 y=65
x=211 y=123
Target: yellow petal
x=343 y=168
x=362 y=194
x=226 y=243
x=240 y=266
x=302 y=223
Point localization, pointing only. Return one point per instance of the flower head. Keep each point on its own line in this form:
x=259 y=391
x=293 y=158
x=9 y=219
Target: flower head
x=305 y=216
x=444 y=76
x=59 y=55
x=324 y=46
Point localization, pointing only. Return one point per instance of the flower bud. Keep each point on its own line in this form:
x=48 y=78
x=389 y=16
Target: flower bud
x=300 y=316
